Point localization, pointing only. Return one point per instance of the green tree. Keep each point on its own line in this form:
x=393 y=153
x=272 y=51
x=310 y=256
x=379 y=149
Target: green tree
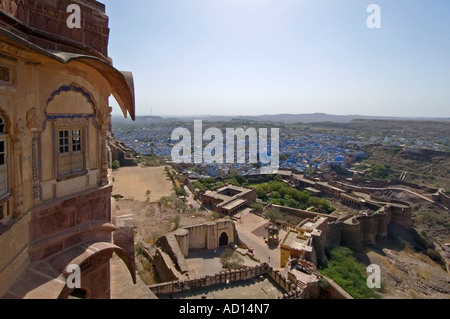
x=115 y=164
x=278 y=178
x=231 y=260
x=180 y=191
x=273 y=214
x=348 y=273
x=199 y=185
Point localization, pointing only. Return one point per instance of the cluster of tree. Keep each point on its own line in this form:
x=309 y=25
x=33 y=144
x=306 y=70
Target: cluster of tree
x=348 y=273
x=177 y=204
x=380 y=171
x=208 y=183
x=278 y=193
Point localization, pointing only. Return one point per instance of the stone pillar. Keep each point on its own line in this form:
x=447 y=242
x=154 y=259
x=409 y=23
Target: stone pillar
x=104 y=155
x=17 y=190
x=212 y=240
x=104 y=121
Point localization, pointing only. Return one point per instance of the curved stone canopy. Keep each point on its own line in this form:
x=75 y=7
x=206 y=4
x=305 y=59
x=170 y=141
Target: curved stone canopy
x=122 y=83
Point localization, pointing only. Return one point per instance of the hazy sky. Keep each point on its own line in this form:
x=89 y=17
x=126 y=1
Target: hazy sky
x=250 y=57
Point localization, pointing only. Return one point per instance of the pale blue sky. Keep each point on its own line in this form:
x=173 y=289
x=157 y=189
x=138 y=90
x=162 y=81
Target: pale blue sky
x=250 y=57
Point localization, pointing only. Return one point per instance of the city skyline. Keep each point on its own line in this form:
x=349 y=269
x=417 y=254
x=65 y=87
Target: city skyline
x=283 y=57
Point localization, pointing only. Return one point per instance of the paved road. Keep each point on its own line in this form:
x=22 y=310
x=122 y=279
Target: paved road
x=247 y=224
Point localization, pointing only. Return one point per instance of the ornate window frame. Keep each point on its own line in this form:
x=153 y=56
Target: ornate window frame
x=70 y=123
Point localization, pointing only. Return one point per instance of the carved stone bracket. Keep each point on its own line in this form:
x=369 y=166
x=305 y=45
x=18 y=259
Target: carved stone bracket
x=104 y=116
x=104 y=155
x=35 y=119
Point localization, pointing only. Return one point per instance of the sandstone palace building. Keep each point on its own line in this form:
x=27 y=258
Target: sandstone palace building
x=55 y=197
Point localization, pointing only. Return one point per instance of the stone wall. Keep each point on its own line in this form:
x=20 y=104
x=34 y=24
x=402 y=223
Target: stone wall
x=207 y=281
x=351 y=235
x=198 y=236
x=292 y=290
x=165 y=273
x=169 y=245
x=14 y=252
x=401 y=215
x=63 y=224
x=334 y=235
x=334 y=291
x=44 y=23
x=302 y=213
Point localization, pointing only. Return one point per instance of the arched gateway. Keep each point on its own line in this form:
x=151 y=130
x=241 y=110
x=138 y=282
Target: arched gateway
x=223 y=239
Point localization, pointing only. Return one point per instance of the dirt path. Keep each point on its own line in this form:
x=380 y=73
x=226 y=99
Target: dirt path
x=133 y=183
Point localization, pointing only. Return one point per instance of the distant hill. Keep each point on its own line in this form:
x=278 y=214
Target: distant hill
x=279 y=118
x=322 y=117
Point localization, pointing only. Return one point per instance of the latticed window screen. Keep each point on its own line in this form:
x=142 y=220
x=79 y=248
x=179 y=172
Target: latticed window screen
x=71 y=155
x=5 y=74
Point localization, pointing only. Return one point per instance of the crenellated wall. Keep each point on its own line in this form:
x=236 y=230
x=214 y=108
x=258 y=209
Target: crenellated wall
x=351 y=234
x=206 y=281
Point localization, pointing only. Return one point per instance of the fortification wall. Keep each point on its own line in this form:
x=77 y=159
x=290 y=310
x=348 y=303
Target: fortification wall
x=44 y=23
x=303 y=213
x=198 y=236
x=401 y=215
x=165 y=273
x=206 y=236
x=334 y=235
x=334 y=291
x=206 y=281
x=371 y=225
x=170 y=246
x=352 y=235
